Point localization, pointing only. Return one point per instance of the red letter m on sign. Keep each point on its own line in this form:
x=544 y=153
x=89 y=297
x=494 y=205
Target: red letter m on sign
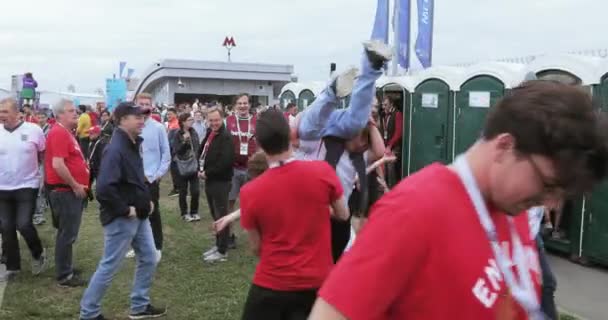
x=229 y=42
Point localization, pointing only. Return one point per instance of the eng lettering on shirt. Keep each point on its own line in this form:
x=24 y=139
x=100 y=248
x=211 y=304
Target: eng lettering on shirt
x=490 y=284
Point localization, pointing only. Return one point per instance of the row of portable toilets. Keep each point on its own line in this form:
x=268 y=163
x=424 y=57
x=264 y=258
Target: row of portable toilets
x=444 y=110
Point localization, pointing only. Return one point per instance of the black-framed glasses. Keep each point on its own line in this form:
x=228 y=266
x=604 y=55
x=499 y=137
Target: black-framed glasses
x=550 y=187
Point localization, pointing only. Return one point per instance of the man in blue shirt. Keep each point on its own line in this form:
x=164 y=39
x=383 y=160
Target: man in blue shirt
x=125 y=205
x=157 y=158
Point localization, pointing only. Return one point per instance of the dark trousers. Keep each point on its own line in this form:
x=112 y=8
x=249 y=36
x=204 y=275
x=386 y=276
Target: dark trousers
x=185 y=183
x=340 y=234
x=84 y=146
x=155 y=221
x=217 y=198
x=67 y=215
x=174 y=175
x=16 y=210
x=549 y=283
x=270 y=304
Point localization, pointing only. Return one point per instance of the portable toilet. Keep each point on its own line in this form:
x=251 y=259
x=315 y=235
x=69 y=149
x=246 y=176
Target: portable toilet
x=583 y=71
x=290 y=93
x=401 y=88
x=482 y=86
x=595 y=233
x=308 y=93
x=432 y=126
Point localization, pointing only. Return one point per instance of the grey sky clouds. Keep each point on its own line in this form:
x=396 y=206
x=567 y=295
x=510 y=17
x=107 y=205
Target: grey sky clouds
x=81 y=42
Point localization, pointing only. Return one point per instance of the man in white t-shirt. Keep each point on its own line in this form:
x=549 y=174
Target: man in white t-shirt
x=21 y=152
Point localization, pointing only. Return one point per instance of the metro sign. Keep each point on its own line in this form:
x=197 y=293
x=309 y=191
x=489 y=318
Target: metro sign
x=229 y=42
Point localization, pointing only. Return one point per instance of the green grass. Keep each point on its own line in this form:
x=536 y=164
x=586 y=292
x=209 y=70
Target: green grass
x=189 y=288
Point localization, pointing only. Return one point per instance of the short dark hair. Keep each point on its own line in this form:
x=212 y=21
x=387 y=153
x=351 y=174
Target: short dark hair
x=257 y=164
x=172 y=110
x=558 y=121
x=272 y=132
x=290 y=105
x=183 y=118
x=240 y=95
x=27 y=106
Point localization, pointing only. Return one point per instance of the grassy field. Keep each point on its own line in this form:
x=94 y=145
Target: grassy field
x=189 y=288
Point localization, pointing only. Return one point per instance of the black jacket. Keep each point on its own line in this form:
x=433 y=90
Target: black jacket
x=220 y=156
x=95 y=152
x=182 y=148
x=122 y=183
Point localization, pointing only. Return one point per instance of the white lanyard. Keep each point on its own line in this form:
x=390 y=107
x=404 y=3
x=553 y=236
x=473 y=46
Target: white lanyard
x=277 y=164
x=523 y=290
x=238 y=127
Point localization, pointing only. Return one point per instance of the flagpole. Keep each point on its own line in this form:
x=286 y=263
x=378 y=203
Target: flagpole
x=396 y=31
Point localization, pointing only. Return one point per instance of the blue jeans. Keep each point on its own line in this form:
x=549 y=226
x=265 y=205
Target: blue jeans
x=322 y=119
x=119 y=236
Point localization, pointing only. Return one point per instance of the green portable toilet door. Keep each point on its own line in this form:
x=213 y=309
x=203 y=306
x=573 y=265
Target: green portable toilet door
x=287 y=97
x=596 y=237
x=306 y=98
x=473 y=102
x=430 y=124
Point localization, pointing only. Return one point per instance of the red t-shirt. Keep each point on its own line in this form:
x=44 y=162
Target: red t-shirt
x=61 y=144
x=294 y=225
x=246 y=136
x=434 y=259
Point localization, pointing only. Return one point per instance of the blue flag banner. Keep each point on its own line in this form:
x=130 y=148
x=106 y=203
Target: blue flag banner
x=121 y=68
x=402 y=9
x=130 y=73
x=424 y=41
x=116 y=92
x=380 y=31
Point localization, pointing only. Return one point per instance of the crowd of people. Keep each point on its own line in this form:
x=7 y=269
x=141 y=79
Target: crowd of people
x=314 y=189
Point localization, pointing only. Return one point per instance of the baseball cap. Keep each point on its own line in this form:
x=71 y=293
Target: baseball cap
x=126 y=109
x=95 y=130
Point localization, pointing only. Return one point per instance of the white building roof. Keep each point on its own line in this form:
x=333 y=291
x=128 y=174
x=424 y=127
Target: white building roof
x=406 y=82
x=452 y=76
x=511 y=74
x=588 y=69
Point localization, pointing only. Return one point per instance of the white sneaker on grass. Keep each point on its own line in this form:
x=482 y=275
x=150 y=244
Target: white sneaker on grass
x=216 y=257
x=187 y=218
x=159 y=255
x=210 y=252
x=130 y=254
x=196 y=217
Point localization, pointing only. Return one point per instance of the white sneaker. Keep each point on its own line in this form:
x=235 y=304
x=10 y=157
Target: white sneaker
x=196 y=217
x=187 y=218
x=378 y=53
x=159 y=255
x=216 y=257
x=210 y=252
x=130 y=254
x=344 y=82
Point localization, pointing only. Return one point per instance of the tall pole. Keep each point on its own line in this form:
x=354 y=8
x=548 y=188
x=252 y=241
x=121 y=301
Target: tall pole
x=396 y=31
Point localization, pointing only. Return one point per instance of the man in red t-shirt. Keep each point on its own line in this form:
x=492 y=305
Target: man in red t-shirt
x=454 y=242
x=67 y=181
x=290 y=233
x=242 y=126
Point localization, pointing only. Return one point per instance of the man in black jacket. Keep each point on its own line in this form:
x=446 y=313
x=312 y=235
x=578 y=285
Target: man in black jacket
x=125 y=206
x=216 y=159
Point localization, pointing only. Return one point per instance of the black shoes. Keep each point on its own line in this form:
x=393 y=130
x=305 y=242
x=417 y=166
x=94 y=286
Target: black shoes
x=149 y=313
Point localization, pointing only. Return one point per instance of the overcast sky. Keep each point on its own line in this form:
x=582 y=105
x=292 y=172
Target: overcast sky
x=63 y=42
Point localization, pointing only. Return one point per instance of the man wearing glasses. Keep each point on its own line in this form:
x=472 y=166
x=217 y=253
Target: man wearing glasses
x=456 y=239
x=157 y=158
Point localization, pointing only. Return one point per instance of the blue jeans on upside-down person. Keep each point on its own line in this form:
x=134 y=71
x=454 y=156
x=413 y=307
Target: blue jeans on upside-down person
x=119 y=236
x=322 y=119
